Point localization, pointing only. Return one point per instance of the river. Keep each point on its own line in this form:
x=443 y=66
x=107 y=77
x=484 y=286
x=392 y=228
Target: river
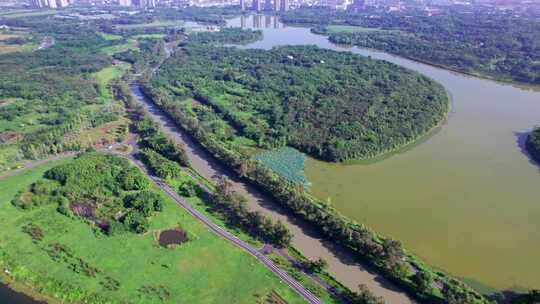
x=7 y=295
x=466 y=198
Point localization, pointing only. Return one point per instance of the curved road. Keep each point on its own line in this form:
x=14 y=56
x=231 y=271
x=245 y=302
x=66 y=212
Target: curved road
x=285 y=277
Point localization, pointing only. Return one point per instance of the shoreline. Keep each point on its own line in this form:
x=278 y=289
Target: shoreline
x=26 y=290
x=500 y=80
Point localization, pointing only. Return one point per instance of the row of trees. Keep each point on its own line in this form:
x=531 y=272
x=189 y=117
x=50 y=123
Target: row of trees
x=385 y=254
x=238 y=214
x=333 y=105
x=161 y=155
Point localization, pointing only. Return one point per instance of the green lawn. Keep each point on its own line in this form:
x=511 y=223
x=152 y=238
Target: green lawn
x=110 y=37
x=27 y=13
x=206 y=269
x=105 y=76
x=131 y=44
x=149 y=36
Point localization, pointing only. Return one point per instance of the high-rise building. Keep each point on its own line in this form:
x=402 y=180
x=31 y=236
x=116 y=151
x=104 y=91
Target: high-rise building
x=284 y=5
x=61 y=3
x=256 y=5
x=243 y=5
x=49 y=3
x=276 y=5
x=145 y=4
x=124 y=2
x=36 y=4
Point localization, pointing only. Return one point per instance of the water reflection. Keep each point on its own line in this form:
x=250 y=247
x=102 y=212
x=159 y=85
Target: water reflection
x=258 y=22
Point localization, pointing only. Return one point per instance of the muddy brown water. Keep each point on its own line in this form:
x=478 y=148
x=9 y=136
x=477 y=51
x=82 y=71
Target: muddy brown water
x=465 y=198
x=343 y=265
x=172 y=237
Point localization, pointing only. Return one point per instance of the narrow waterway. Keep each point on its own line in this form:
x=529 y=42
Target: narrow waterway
x=343 y=265
x=466 y=198
x=9 y=296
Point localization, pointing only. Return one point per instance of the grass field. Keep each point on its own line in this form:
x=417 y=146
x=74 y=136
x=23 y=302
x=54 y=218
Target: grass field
x=158 y=23
x=206 y=269
x=105 y=76
x=131 y=44
x=9 y=48
x=26 y=13
x=149 y=36
x=110 y=37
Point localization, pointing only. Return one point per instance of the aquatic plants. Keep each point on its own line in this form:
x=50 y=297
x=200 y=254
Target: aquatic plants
x=287 y=162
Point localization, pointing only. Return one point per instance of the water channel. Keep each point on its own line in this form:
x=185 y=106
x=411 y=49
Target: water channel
x=466 y=198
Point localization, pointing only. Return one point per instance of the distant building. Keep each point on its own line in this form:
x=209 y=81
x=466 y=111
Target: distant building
x=124 y=2
x=243 y=5
x=49 y=3
x=277 y=5
x=256 y=5
x=284 y=5
x=357 y=5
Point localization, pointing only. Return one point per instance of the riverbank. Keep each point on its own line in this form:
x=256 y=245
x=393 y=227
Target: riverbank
x=476 y=74
x=345 y=266
x=12 y=291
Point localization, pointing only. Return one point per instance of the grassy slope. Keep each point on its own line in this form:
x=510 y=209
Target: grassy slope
x=105 y=76
x=131 y=44
x=204 y=270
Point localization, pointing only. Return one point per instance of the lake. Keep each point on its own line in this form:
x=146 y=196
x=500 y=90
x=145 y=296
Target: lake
x=465 y=198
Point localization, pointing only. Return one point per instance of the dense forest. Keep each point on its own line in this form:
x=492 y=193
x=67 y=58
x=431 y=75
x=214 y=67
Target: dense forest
x=333 y=105
x=104 y=190
x=533 y=144
x=500 y=46
x=50 y=95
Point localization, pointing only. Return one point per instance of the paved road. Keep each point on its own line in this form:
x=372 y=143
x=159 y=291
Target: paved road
x=32 y=164
x=285 y=277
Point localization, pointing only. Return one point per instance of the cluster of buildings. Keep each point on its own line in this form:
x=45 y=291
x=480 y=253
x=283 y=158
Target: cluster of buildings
x=49 y=3
x=267 y=5
x=138 y=3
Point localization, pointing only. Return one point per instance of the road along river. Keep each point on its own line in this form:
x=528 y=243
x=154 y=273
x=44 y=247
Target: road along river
x=466 y=198
x=344 y=266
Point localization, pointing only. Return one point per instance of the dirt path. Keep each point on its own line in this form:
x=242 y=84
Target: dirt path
x=30 y=165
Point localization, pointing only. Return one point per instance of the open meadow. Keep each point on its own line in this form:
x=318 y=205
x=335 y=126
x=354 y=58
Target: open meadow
x=73 y=260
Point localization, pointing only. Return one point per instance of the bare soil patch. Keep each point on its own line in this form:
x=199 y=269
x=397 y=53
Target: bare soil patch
x=87 y=210
x=8 y=136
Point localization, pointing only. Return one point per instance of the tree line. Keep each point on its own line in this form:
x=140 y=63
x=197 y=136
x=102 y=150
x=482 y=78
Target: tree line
x=163 y=157
x=499 y=45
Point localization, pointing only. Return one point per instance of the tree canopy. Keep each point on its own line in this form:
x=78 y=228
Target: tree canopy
x=333 y=105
